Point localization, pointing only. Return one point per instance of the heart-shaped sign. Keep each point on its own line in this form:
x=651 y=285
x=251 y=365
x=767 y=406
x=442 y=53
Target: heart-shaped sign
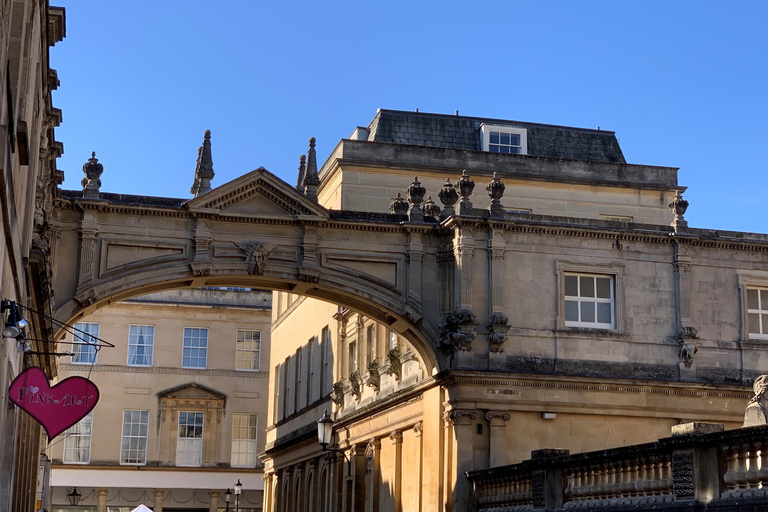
x=57 y=407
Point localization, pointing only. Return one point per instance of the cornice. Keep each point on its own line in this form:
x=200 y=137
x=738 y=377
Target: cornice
x=666 y=388
x=160 y=370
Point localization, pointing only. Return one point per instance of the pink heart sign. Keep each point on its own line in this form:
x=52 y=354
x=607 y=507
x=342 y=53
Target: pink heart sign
x=57 y=407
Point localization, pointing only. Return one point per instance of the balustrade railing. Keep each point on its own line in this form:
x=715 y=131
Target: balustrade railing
x=698 y=463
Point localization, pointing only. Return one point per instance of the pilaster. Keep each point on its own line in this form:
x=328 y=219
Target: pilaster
x=498 y=445
x=415 y=259
x=396 y=438
x=89 y=232
x=213 y=499
x=372 y=475
x=461 y=421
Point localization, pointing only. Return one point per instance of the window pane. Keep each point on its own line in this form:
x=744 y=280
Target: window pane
x=754 y=323
x=493 y=149
x=572 y=286
x=604 y=287
x=514 y=139
x=764 y=324
x=604 y=313
x=588 y=312
x=571 y=311
x=494 y=138
x=587 y=286
x=752 y=302
x=504 y=139
x=763 y=299
x=514 y=150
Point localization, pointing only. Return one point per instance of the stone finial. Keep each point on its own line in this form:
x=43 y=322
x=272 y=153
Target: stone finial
x=302 y=172
x=430 y=209
x=679 y=207
x=415 y=195
x=311 y=181
x=466 y=186
x=399 y=205
x=204 y=168
x=448 y=196
x=495 y=190
x=757 y=411
x=92 y=182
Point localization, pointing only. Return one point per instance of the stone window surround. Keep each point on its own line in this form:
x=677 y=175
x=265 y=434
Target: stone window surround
x=78 y=337
x=239 y=351
x=750 y=280
x=184 y=346
x=145 y=345
x=619 y=310
x=123 y=436
x=486 y=129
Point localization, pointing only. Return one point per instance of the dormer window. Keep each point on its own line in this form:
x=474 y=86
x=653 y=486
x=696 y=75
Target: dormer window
x=504 y=139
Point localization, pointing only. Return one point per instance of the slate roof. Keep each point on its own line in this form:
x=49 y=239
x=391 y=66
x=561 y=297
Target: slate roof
x=462 y=132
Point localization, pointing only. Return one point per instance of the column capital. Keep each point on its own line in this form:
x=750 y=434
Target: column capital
x=498 y=418
x=396 y=437
x=460 y=417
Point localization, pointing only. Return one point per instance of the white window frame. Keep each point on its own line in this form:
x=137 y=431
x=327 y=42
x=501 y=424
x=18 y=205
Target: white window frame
x=244 y=446
x=77 y=349
x=179 y=438
x=751 y=280
x=184 y=347
x=131 y=436
x=74 y=434
x=394 y=341
x=133 y=338
x=618 y=324
x=485 y=136
x=248 y=351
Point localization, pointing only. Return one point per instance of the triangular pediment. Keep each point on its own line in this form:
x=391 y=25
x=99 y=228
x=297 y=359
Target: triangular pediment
x=257 y=193
x=192 y=390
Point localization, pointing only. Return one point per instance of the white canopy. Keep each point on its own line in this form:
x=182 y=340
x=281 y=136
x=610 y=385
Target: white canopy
x=142 y=508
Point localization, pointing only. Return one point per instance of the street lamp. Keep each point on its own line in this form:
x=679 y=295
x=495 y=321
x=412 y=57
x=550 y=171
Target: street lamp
x=74 y=497
x=238 y=490
x=324 y=435
x=227 y=497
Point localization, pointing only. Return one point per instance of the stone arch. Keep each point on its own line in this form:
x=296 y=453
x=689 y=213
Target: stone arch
x=255 y=231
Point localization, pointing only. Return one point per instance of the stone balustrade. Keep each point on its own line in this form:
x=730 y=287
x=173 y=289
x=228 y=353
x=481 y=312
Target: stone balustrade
x=699 y=465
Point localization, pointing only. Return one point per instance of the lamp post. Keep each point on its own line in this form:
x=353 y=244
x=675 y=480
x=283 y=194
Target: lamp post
x=74 y=497
x=227 y=497
x=324 y=435
x=238 y=490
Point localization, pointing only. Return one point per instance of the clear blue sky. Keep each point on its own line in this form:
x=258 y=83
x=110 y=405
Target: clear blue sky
x=682 y=83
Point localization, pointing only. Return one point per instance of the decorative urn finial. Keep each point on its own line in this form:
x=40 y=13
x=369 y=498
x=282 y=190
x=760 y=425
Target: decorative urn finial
x=466 y=186
x=431 y=209
x=679 y=206
x=448 y=196
x=495 y=190
x=311 y=181
x=92 y=182
x=415 y=195
x=399 y=206
x=204 y=168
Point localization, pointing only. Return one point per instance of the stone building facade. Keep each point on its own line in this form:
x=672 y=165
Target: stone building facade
x=573 y=308
x=183 y=403
x=28 y=153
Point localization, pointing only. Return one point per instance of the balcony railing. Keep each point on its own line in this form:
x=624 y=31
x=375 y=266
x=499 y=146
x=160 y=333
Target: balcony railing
x=700 y=463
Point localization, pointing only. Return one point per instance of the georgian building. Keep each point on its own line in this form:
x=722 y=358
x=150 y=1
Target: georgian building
x=577 y=310
x=28 y=153
x=183 y=403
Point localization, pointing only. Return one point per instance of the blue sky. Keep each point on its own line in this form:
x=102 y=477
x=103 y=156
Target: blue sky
x=682 y=83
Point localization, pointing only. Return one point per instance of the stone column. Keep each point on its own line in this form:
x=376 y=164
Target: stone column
x=397 y=461
x=372 y=474
x=497 y=322
x=498 y=446
x=213 y=500
x=461 y=422
x=101 y=499
x=158 y=500
x=89 y=232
